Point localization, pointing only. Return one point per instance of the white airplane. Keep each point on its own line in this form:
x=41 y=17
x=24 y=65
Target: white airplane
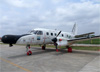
x=42 y=37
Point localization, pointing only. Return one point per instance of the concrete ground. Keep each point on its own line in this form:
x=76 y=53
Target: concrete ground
x=14 y=59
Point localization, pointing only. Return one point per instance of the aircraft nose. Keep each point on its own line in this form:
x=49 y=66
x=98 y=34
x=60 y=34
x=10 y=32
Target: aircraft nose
x=10 y=39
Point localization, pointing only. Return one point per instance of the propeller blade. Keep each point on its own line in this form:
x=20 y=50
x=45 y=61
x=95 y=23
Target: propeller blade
x=55 y=39
x=58 y=34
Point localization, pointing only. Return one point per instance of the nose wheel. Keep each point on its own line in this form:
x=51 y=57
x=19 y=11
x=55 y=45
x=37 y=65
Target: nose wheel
x=29 y=52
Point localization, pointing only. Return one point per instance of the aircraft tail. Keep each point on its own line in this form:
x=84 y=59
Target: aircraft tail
x=74 y=30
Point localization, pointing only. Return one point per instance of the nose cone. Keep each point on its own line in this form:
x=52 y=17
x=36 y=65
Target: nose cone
x=10 y=39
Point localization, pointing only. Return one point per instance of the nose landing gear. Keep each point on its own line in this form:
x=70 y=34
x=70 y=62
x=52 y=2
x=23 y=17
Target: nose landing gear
x=29 y=52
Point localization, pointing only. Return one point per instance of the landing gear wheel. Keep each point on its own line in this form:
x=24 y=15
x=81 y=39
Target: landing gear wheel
x=57 y=50
x=43 y=47
x=29 y=53
x=69 y=49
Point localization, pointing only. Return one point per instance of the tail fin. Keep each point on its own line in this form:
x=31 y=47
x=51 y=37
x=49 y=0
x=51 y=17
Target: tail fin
x=74 y=30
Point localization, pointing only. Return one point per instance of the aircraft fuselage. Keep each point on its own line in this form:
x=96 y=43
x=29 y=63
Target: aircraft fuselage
x=38 y=36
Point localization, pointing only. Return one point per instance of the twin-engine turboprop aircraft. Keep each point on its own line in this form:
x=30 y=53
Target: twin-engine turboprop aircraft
x=42 y=37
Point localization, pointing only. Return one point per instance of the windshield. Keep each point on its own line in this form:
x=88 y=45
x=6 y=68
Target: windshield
x=32 y=31
x=36 y=32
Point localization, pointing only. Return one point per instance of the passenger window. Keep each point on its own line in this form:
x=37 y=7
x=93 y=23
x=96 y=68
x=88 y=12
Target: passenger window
x=51 y=34
x=47 y=33
x=55 y=34
x=62 y=35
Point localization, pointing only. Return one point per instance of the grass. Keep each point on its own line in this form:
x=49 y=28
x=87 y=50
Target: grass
x=91 y=48
x=86 y=48
x=93 y=41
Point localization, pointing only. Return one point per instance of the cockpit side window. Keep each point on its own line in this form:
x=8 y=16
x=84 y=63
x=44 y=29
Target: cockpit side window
x=39 y=33
x=36 y=32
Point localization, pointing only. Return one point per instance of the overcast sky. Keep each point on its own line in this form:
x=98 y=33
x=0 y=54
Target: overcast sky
x=20 y=16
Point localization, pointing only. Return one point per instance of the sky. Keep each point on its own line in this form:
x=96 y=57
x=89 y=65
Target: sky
x=20 y=16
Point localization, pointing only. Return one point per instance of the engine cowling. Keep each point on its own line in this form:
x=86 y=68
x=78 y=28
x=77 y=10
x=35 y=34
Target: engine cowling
x=62 y=41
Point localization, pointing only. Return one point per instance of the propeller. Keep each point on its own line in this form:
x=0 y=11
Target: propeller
x=55 y=39
x=58 y=34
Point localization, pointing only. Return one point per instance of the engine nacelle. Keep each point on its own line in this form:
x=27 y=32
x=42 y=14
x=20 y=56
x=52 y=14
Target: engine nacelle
x=62 y=41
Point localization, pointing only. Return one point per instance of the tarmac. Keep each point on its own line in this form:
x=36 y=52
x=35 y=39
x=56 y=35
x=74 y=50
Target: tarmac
x=14 y=59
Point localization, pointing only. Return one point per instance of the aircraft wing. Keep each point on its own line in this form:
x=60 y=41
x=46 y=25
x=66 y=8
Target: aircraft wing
x=84 y=35
x=70 y=42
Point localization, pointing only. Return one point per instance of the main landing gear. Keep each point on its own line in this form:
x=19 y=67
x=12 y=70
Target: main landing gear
x=43 y=47
x=29 y=52
x=69 y=49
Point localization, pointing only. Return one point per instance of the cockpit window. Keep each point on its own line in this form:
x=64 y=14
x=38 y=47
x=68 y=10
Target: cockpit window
x=39 y=33
x=32 y=31
x=36 y=32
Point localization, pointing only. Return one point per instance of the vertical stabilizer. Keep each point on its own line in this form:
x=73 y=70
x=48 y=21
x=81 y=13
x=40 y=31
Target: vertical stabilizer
x=74 y=30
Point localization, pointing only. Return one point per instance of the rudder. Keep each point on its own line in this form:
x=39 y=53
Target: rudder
x=74 y=30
